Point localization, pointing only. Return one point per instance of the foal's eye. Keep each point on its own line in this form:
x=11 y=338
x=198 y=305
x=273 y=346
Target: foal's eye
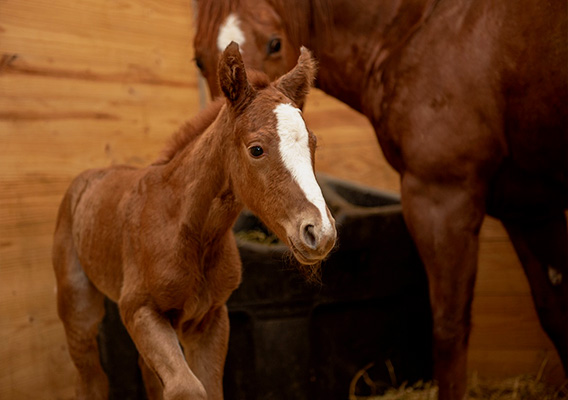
x=274 y=46
x=256 y=151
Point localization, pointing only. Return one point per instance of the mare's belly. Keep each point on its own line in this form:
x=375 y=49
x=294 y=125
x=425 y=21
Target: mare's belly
x=517 y=193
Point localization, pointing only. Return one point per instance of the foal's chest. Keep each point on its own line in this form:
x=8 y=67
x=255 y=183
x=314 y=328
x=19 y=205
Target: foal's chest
x=201 y=284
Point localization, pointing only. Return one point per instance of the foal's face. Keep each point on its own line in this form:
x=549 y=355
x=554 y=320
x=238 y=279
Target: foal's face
x=276 y=179
x=254 y=25
x=273 y=155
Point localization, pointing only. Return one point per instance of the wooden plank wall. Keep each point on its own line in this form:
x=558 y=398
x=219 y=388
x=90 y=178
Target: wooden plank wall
x=83 y=84
x=93 y=82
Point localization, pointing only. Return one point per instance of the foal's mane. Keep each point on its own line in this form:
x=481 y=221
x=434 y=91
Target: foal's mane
x=190 y=131
x=193 y=128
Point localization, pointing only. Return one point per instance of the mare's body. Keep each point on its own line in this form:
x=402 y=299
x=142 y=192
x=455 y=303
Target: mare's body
x=469 y=101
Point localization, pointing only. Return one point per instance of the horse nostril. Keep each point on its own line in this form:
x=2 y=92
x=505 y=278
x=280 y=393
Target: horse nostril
x=309 y=236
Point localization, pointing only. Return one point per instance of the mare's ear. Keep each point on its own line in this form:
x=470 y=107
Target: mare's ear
x=296 y=83
x=233 y=77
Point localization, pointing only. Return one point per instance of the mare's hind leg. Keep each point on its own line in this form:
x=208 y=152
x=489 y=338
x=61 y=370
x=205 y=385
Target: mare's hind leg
x=81 y=308
x=541 y=244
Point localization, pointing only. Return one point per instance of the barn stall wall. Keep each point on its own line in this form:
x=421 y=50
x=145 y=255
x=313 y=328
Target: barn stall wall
x=82 y=84
x=94 y=82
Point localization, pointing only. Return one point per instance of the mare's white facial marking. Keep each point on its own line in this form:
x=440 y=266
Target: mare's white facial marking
x=295 y=152
x=229 y=31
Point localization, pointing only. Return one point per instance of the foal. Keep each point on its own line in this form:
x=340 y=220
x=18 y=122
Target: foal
x=158 y=240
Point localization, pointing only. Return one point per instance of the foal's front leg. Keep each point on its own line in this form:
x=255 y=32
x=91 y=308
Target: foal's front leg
x=206 y=349
x=158 y=345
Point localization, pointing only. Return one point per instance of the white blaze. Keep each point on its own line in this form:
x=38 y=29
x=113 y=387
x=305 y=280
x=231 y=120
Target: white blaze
x=295 y=152
x=230 y=31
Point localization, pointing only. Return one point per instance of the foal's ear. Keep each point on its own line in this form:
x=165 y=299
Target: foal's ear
x=233 y=77
x=296 y=83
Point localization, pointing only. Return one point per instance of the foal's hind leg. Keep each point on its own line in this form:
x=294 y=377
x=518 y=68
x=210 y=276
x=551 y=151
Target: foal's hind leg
x=541 y=244
x=81 y=308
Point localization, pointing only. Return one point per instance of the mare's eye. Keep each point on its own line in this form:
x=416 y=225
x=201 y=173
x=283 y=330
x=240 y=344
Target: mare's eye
x=256 y=151
x=274 y=46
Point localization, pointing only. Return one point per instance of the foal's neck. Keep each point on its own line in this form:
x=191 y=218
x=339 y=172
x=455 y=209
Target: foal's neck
x=198 y=177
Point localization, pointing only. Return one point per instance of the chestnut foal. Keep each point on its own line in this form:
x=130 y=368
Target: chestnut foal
x=158 y=240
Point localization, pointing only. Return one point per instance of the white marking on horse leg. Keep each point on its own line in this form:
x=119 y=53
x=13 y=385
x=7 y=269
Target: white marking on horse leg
x=554 y=276
x=295 y=152
x=230 y=31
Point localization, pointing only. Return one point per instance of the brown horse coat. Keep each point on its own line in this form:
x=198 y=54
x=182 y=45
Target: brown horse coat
x=469 y=101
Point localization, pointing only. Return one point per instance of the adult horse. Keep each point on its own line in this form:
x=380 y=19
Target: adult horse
x=158 y=240
x=468 y=100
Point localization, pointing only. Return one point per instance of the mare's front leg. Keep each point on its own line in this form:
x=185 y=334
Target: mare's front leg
x=205 y=349
x=444 y=220
x=159 y=347
x=541 y=243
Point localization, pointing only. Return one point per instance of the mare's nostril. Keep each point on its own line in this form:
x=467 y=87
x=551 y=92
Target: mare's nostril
x=309 y=236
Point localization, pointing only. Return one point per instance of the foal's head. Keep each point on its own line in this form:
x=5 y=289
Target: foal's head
x=272 y=155
x=255 y=25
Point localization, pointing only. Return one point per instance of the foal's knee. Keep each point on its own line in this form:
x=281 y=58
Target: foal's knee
x=176 y=390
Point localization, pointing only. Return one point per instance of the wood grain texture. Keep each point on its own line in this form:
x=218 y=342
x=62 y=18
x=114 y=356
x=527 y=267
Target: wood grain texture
x=82 y=84
x=95 y=82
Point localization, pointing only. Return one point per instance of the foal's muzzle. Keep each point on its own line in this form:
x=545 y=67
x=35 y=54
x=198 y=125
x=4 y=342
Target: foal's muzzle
x=313 y=240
